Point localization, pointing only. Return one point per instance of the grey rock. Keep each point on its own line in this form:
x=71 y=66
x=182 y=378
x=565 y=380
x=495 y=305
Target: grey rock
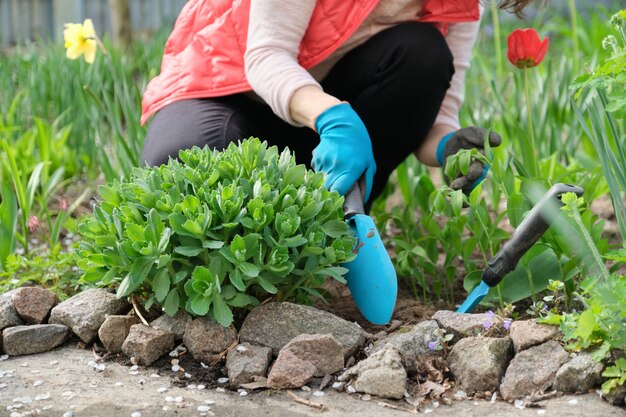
x=579 y=375
x=412 y=343
x=478 y=363
x=84 y=313
x=33 y=304
x=381 y=374
x=459 y=324
x=114 y=331
x=246 y=362
x=147 y=344
x=322 y=350
x=528 y=333
x=532 y=370
x=176 y=324
x=205 y=339
x=36 y=338
x=8 y=313
x=275 y=324
x=290 y=372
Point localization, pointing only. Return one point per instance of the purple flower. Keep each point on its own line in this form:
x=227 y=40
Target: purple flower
x=432 y=345
x=489 y=316
x=507 y=323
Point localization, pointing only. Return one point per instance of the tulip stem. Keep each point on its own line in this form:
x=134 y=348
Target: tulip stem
x=532 y=166
x=574 y=22
x=496 y=37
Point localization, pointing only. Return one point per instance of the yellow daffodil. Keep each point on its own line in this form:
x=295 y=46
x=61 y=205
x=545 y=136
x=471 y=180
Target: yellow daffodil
x=80 y=39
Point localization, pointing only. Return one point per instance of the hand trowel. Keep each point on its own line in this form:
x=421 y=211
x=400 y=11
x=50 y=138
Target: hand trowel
x=371 y=276
x=527 y=233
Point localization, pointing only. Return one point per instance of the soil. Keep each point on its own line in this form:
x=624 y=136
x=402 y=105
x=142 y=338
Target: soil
x=407 y=310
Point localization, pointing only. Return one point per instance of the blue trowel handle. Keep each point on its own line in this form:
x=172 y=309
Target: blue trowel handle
x=527 y=233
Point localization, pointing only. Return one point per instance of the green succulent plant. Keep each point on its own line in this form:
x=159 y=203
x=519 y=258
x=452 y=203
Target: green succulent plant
x=217 y=230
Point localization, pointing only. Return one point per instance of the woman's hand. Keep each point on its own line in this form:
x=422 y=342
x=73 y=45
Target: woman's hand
x=345 y=149
x=466 y=138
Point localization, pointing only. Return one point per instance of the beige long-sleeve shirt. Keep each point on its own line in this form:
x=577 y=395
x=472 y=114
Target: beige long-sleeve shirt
x=273 y=42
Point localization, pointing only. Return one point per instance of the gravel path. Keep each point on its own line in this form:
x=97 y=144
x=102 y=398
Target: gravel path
x=66 y=382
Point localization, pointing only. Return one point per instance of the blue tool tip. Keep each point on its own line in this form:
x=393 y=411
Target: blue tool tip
x=474 y=298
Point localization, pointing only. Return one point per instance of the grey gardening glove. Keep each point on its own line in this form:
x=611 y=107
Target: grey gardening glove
x=466 y=138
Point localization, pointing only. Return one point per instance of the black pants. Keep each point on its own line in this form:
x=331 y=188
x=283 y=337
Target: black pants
x=395 y=82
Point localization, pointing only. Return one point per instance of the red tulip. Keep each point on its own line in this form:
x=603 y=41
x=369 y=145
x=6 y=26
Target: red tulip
x=526 y=50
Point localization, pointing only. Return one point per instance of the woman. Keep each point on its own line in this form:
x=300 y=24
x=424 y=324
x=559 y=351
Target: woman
x=352 y=87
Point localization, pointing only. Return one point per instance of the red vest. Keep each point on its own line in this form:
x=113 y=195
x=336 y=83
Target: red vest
x=204 y=54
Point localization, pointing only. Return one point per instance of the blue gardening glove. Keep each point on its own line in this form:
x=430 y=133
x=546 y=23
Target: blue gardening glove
x=344 y=153
x=466 y=138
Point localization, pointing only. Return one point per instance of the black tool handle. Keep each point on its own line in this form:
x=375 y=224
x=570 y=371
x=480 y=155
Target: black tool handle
x=353 y=201
x=527 y=233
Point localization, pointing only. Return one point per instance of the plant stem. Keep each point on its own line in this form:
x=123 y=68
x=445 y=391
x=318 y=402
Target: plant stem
x=574 y=22
x=496 y=38
x=593 y=249
x=530 y=283
x=532 y=162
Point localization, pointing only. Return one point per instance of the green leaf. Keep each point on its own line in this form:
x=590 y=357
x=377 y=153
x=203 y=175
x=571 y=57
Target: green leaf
x=200 y=305
x=172 y=302
x=163 y=261
x=201 y=273
x=237 y=280
x=228 y=292
x=93 y=275
x=475 y=195
x=161 y=284
x=516 y=209
x=419 y=251
x=248 y=269
x=109 y=194
x=8 y=223
x=189 y=251
x=165 y=239
x=179 y=276
x=193 y=228
x=335 y=228
x=587 y=325
x=135 y=232
x=241 y=300
x=213 y=244
x=336 y=272
x=456 y=201
x=135 y=278
x=222 y=312
x=439 y=204
x=295 y=175
x=294 y=241
x=267 y=285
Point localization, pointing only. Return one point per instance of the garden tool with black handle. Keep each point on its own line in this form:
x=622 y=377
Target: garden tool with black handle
x=525 y=236
x=371 y=276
